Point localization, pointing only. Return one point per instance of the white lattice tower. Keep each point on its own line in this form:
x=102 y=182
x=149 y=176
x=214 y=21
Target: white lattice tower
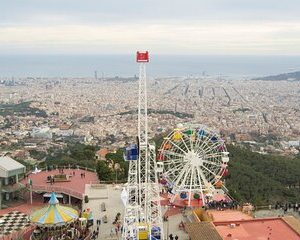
x=143 y=163
x=154 y=207
x=142 y=189
x=131 y=214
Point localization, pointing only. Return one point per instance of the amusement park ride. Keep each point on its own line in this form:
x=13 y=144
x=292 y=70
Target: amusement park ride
x=142 y=218
x=190 y=164
x=194 y=159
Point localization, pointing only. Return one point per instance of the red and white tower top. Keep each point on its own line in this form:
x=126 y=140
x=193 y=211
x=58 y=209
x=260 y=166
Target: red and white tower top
x=142 y=56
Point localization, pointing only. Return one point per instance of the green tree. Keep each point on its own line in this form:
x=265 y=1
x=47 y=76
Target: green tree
x=262 y=179
x=118 y=158
x=103 y=171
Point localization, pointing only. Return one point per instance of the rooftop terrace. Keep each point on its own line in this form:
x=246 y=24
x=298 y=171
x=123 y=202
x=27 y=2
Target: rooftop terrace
x=74 y=187
x=256 y=229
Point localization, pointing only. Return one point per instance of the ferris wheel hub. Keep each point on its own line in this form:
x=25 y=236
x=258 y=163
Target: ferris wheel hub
x=193 y=158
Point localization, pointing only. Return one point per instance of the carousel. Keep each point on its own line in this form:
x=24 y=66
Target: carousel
x=57 y=222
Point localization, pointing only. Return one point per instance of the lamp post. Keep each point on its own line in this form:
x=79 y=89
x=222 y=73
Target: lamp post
x=30 y=188
x=168 y=225
x=0 y=194
x=117 y=167
x=167 y=222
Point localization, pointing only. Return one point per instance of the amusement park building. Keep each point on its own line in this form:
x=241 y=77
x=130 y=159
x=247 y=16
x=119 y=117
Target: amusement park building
x=245 y=229
x=10 y=171
x=263 y=228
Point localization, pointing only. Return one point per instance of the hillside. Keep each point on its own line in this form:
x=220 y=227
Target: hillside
x=263 y=179
x=293 y=76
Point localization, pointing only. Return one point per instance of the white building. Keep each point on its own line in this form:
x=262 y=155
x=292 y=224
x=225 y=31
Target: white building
x=10 y=171
x=294 y=143
x=42 y=132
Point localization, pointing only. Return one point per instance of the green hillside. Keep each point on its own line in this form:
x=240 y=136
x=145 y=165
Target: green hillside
x=263 y=179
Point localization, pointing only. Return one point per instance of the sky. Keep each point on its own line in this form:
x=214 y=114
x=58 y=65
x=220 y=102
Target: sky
x=210 y=27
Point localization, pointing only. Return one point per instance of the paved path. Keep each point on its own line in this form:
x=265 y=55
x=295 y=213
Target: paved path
x=172 y=225
x=111 y=196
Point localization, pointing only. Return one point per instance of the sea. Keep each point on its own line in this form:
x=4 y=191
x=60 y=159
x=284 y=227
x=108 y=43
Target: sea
x=159 y=66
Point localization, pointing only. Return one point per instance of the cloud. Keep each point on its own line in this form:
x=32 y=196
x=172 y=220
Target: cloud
x=201 y=38
x=99 y=11
x=168 y=26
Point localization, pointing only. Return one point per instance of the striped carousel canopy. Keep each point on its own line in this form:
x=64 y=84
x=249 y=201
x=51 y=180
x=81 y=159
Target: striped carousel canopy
x=54 y=214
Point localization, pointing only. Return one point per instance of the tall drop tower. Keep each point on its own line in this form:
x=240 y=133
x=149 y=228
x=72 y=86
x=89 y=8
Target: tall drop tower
x=142 y=211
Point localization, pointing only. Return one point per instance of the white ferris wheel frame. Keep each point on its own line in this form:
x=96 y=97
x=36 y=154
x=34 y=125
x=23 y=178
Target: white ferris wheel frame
x=194 y=163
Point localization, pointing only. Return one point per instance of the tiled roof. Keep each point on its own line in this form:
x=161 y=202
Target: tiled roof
x=202 y=231
x=293 y=223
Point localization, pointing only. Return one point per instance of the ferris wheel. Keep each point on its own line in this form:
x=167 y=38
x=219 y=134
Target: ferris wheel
x=194 y=160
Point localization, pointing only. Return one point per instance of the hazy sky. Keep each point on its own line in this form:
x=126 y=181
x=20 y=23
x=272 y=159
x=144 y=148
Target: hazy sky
x=257 y=27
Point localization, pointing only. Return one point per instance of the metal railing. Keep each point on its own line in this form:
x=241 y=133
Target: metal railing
x=56 y=167
x=60 y=189
x=57 y=189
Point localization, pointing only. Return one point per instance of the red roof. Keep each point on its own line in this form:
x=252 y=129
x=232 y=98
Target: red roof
x=260 y=229
x=102 y=152
x=75 y=187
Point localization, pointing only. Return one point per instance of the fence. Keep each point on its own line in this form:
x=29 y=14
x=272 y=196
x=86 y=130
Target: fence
x=23 y=234
x=113 y=182
x=57 y=189
x=26 y=234
x=55 y=167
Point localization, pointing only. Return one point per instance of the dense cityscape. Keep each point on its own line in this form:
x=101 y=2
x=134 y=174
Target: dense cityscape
x=84 y=123
x=149 y=120
x=242 y=110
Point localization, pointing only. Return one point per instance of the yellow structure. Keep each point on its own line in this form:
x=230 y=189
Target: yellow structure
x=202 y=215
x=143 y=231
x=177 y=135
